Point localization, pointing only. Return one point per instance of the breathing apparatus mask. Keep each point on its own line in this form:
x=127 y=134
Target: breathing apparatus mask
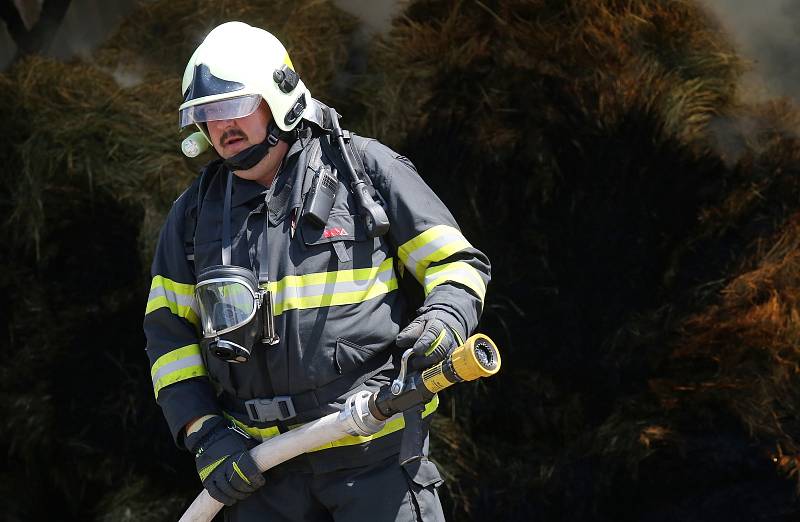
x=235 y=313
x=235 y=304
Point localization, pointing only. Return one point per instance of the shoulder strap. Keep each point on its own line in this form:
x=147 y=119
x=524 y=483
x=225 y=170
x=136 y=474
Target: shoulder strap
x=358 y=153
x=330 y=152
x=190 y=227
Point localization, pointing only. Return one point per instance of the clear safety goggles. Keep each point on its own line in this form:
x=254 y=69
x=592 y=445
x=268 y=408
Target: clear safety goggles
x=227 y=109
x=225 y=304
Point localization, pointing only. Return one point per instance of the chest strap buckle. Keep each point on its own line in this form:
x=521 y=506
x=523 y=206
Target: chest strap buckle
x=278 y=408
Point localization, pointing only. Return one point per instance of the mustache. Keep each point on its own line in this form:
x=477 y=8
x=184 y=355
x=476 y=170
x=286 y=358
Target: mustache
x=231 y=133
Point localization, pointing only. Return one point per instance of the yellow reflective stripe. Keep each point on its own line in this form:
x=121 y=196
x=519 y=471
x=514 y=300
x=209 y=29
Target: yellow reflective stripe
x=174 y=355
x=177 y=297
x=318 y=301
x=206 y=471
x=256 y=433
x=178 y=365
x=436 y=341
x=186 y=312
x=395 y=423
x=327 y=278
x=172 y=286
x=241 y=475
x=435 y=244
x=457 y=272
x=332 y=288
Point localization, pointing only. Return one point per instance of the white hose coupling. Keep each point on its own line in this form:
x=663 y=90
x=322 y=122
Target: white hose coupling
x=357 y=417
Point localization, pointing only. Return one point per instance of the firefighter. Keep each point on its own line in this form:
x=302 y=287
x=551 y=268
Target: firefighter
x=264 y=314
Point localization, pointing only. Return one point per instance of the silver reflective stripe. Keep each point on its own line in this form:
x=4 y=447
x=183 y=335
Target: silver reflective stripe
x=180 y=364
x=336 y=287
x=419 y=259
x=179 y=299
x=458 y=272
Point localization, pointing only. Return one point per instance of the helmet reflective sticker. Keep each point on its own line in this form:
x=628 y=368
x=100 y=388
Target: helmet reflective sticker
x=226 y=109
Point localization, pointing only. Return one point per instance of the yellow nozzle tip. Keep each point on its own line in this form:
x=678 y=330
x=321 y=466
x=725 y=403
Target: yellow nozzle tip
x=478 y=357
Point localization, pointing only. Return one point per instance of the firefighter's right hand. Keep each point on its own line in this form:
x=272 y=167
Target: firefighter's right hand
x=432 y=338
x=223 y=461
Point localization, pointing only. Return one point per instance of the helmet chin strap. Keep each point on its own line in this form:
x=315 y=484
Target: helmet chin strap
x=248 y=158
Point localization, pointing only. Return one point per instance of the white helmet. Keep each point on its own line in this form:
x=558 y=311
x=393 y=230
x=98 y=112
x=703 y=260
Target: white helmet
x=235 y=67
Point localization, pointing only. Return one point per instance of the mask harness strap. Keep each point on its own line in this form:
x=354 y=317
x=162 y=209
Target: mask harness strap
x=226 y=221
x=269 y=335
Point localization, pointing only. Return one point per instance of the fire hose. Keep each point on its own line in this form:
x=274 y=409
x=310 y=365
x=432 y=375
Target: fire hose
x=366 y=413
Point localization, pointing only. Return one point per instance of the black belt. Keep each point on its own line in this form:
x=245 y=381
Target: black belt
x=310 y=404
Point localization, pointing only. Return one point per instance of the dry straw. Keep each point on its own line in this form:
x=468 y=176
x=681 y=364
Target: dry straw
x=601 y=153
x=641 y=217
x=91 y=165
x=110 y=124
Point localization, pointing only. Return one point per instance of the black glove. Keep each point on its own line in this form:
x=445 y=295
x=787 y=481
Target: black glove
x=223 y=461
x=432 y=338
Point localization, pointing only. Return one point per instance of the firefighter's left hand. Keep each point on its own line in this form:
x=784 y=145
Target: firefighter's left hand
x=431 y=337
x=223 y=461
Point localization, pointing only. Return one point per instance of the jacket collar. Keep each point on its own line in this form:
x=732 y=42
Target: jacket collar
x=288 y=187
x=247 y=192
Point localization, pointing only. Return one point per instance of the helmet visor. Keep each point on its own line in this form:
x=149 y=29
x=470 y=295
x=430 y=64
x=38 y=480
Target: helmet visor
x=226 y=109
x=224 y=304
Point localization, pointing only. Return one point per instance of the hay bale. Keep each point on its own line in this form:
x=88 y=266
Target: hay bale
x=91 y=165
x=83 y=132
x=584 y=138
x=315 y=32
x=494 y=61
x=112 y=122
x=647 y=314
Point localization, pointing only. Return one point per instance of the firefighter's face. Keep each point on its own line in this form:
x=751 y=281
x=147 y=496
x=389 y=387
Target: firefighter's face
x=230 y=137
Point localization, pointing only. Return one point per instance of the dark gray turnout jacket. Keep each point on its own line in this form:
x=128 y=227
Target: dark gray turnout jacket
x=337 y=305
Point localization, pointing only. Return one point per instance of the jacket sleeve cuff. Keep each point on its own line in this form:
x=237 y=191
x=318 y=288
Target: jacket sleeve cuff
x=185 y=401
x=452 y=316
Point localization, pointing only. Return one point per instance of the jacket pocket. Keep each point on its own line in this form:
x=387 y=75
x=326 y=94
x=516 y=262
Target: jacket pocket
x=349 y=355
x=422 y=474
x=341 y=226
x=340 y=244
x=423 y=478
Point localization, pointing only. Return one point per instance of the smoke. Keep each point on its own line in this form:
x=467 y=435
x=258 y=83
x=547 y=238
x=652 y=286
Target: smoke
x=375 y=16
x=128 y=76
x=766 y=32
x=29 y=11
x=86 y=25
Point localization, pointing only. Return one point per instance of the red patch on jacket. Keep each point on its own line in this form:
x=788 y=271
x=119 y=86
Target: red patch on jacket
x=334 y=232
